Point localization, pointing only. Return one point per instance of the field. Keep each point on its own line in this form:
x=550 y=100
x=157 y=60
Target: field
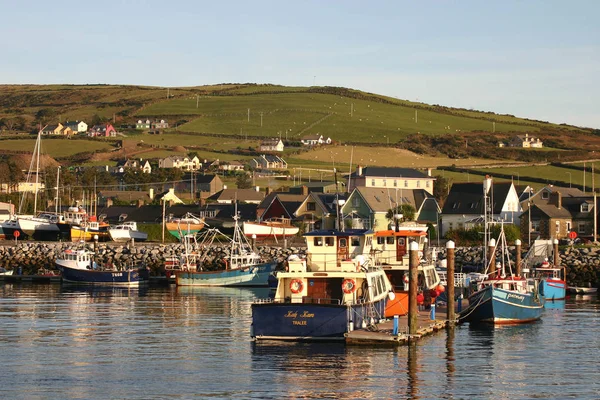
x=56 y=147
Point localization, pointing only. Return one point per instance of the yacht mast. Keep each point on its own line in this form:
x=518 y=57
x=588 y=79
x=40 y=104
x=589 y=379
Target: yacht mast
x=37 y=171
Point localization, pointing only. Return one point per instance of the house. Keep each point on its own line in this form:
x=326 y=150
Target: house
x=271 y=145
x=102 y=130
x=319 y=187
x=106 y=198
x=229 y=165
x=390 y=177
x=314 y=140
x=526 y=141
x=194 y=183
x=319 y=210
x=144 y=166
x=464 y=206
x=76 y=126
x=162 y=124
x=230 y=196
x=6 y=211
x=143 y=124
x=279 y=205
x=169 y=197
x=268 y=161
x=553 y=212
x=366 y=207
x=54 y=129
x=181 y=162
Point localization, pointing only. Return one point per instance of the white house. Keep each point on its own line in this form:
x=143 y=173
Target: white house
x=272 y=145
x=76 y=126
x=390 y=178
x=184 y=163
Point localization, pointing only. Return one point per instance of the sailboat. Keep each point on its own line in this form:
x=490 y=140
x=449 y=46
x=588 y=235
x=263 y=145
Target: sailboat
x=42 y=225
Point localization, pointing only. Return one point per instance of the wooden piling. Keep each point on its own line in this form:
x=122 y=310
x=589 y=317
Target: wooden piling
x=450 y=279
x=556 y=259
x=518 y=257
x=413 y=265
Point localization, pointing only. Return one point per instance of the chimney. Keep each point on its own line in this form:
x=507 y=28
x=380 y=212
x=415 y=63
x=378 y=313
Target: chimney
x=224 y=187
x=359 y=170
x=556 y=199
x=151 y=194
x=257 y=188
x=304 y=190
x=429 y=171
x=140 y=203
x=267 y=191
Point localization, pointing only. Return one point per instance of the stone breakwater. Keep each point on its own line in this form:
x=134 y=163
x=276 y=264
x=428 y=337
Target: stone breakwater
x=31 y=256
x=582 y=263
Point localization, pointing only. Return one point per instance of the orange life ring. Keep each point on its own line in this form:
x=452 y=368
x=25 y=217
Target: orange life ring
x=349 y=286
x=296 y=286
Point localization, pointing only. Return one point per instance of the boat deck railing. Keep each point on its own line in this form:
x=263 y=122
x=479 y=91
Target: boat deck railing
x=461 y=279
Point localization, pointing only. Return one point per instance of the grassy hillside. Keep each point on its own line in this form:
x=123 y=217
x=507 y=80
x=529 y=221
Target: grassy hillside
x=214 y=122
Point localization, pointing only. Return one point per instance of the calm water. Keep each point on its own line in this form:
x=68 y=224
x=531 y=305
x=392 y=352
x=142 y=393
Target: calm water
x=63 y=343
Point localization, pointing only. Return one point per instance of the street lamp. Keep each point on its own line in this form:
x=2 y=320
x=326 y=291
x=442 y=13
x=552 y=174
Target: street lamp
x=569 y=179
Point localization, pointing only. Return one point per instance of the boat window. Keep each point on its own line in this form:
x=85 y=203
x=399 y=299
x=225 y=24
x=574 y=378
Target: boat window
x=380 y=285
x=390 y=240
x=328 y=241
x=355 y=241
x=343 y=244
x=380 y=240
x=318 y=241
x=369 y=241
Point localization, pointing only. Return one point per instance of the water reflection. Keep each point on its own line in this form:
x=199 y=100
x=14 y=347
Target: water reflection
x=412 y=371
x=555 y=305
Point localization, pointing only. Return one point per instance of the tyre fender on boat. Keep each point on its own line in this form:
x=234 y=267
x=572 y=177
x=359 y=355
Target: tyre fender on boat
x=296 y=286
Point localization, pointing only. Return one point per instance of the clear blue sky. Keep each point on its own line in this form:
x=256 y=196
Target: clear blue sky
x=533 y=59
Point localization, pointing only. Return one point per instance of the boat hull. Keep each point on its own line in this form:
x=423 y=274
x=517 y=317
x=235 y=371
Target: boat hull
x=265 y=230
x=308 y=321
x=254 y=275
x=131 y=277
x=78 y=234
x=553 y=289
x=498 y=306
x=174 y=228
x=124 y=236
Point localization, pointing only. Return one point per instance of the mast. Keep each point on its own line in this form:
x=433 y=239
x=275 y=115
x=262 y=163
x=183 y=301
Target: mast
x=57 y=181
x=37 y=171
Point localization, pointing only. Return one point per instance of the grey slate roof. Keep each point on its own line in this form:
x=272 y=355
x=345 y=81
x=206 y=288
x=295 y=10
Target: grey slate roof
x=467 y=198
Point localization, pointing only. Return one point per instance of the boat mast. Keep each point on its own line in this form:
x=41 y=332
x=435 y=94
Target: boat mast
x=57 y=181
x=37 y=172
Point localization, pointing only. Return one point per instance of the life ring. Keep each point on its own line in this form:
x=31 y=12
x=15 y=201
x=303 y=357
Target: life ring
x=349 y=286
x=296 y=286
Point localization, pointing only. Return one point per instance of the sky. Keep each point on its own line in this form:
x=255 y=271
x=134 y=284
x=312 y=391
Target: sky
x=529 y=58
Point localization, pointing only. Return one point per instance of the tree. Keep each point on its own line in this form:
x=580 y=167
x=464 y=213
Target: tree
x=45 y=114
x=406 y=210
x=243 y=181
x=441 y=189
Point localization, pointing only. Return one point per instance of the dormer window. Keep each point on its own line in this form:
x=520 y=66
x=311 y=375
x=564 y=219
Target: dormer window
x=585 y=207
x=545 y=195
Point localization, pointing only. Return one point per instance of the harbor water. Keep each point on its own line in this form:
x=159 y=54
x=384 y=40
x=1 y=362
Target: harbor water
x=61 y=342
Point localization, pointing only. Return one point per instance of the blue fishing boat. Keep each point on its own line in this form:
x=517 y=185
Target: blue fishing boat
x=327 y=293
x=78 y=266
x=241 y=266
x=502 y=297
x=552 y=283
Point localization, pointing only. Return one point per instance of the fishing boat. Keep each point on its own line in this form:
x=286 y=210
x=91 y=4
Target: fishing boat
x=241 y=266
x=188 y=224
x=552 y=281
x=327 y=293
x=273 y=227
x=391 y=250
x=90 y=230
x=126 y=231
x=78 y=266
x=502 y=297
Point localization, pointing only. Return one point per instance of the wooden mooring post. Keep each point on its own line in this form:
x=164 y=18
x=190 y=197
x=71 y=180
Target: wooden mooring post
x=413 y=272
x=450 y=314
x=518 y=257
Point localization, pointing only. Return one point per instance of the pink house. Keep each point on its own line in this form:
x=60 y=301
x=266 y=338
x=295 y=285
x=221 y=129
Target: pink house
x=104 y=130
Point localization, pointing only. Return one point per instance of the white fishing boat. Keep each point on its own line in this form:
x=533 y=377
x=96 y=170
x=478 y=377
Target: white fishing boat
x=126 y=231
x=273 y=227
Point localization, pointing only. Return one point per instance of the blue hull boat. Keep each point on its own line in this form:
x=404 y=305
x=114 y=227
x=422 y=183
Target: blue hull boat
x=129 y=277
x=553 y=289
x=501 y=306
x=253 y=275
x=298 y=322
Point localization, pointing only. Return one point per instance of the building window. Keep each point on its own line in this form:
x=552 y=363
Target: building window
x=581 y=228
x=535 y=226
x=385 y=182
x=405 y=184
x=450 y=226
x=418 y=184
x=545 y=195
x=372 y=182
x=395 y=183
x=355 y=201
x=311 y=206
x=557 y=227
x=427 y=184
x=585 y=207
